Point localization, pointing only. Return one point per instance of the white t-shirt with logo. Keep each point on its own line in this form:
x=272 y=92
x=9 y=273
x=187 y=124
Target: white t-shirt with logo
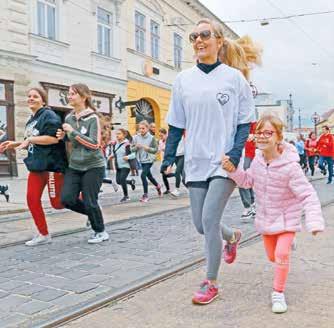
x=209 y=107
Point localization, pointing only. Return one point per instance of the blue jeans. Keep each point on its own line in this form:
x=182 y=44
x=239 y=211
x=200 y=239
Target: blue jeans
x=329 y=161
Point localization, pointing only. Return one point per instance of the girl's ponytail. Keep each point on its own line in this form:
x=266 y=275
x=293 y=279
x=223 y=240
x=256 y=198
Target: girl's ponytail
x=242 y=54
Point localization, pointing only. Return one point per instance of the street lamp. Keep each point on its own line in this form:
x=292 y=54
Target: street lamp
x=315 y=119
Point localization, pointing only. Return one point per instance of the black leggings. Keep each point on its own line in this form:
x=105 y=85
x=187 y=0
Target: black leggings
x=165 y=180
x=121 y=175
x=179 y=172
x=146 y=174
x=89 y=183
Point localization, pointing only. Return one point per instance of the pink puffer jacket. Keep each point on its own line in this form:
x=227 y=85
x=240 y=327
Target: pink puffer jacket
x=281 y=192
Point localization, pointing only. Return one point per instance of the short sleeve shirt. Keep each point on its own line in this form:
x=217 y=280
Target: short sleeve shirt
x=209 y=107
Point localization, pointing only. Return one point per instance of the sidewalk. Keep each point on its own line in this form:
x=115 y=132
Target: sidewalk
x=245 y=294
x=18 y=188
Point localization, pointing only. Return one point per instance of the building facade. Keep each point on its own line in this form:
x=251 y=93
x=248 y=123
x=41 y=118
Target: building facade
x=158 y=49
x=326 y=119
x=127 y=51
x=265 y=104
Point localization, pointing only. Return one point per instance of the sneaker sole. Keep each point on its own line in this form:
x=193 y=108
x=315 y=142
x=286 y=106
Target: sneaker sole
x=97 y=242
x=204 y=303
x=279 y=311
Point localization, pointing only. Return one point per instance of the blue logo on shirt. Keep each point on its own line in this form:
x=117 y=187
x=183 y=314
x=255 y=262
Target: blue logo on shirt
x=223 y=98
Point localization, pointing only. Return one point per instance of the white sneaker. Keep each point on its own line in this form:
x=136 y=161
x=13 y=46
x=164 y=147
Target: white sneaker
x=39 y=240
x=247 y=215
x=98 y=237
x=176 y=193
x=253 y=208
x=278 y=302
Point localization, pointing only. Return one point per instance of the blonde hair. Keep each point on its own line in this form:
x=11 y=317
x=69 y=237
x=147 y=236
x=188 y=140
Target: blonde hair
x=275 y=121
x=242 y=54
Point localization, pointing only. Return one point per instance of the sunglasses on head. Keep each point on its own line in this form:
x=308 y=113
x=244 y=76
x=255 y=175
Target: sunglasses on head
x=205 y=35
x=265 y=134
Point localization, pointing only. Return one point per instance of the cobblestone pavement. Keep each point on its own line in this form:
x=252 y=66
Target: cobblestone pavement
x=39 y=283
x=36 y=283
x=244 y=300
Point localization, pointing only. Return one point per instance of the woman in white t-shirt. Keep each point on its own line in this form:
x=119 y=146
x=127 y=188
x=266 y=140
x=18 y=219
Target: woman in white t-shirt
x=213 y=102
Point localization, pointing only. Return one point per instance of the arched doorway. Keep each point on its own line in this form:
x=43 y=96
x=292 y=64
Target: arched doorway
x=144 y=111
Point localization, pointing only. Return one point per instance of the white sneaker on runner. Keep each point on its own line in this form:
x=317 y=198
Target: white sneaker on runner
x=98 y=237
x=253 y=208
x=247 y=215
x=176 y=193
x=278 y=302
x=39 y=240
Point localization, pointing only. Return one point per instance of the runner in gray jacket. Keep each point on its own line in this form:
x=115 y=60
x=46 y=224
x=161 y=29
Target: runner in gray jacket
x=146 y=148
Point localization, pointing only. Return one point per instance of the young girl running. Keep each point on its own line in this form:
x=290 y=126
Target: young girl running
x=214 y=104
x=121 y=152
x=146 y=147
x=281 y=191
x=86 y=163
x=46 y=160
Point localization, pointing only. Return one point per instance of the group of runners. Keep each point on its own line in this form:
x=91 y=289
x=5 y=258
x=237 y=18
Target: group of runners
x=211 y=113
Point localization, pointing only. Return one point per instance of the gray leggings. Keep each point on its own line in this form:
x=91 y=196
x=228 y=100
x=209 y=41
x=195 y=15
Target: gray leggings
x=207 y=201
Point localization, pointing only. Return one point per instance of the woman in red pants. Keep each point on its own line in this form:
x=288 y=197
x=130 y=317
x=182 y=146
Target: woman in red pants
x=46 y=160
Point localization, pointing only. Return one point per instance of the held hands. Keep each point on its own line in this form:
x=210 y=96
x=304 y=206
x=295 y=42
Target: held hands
x=7 y=145
x=67 y=127
x=126 y=158
x=60 y=135
x=227 y=165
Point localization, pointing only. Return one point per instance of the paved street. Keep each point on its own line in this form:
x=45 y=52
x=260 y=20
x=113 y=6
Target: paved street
x=40 y=283
x=245 y=296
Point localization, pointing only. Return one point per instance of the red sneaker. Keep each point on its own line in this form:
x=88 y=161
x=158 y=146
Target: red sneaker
x=230 y=249
x=206 y=294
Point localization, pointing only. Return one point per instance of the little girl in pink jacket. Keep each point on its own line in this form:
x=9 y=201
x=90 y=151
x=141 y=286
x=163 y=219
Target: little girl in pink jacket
x=282 y=191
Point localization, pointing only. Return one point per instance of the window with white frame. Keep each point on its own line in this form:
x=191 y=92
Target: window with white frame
x=46 y=18
x=177 y=50
x=104 y=32
x=155 y=39
x=140 y=31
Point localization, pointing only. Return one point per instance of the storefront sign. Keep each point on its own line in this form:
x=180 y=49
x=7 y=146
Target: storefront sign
x=59 y=98
x=2 y=92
